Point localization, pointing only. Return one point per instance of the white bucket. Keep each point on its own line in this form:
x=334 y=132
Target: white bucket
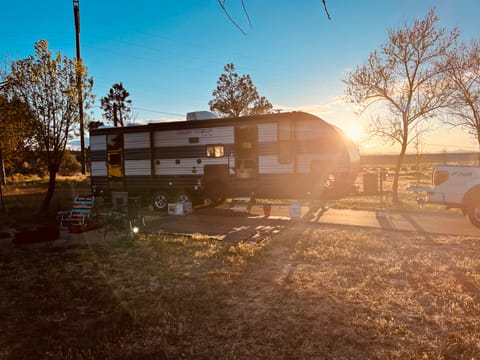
x=295 y=211
x=179 y=209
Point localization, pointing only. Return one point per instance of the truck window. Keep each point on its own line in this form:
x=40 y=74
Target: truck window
x=439 y=177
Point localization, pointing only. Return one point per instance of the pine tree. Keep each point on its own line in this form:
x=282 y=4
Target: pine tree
x=237 y=95
x=116 y=105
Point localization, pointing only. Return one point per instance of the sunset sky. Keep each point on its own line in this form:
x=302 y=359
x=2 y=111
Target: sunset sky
x=169 y=54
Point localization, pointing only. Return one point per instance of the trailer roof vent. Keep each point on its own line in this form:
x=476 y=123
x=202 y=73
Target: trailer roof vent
x=201 y=115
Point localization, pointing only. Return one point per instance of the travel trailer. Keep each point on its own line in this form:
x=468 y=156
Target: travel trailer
x=293 y=155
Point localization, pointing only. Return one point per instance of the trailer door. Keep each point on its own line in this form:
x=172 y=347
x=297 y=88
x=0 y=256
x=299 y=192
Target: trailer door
x=115 y=160
x=246 y=151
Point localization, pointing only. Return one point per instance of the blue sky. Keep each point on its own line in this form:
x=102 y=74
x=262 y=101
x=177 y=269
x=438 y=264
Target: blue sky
x=169 y=53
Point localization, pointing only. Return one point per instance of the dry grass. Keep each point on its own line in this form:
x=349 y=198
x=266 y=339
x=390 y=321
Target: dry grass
x=311 y=292
x=23 y=198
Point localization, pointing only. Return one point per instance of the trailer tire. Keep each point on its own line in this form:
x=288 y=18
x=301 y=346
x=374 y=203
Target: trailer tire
x=160 y=201
x=183 y=197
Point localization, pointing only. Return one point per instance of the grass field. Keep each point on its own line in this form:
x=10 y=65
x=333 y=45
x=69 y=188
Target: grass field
x=310 y=292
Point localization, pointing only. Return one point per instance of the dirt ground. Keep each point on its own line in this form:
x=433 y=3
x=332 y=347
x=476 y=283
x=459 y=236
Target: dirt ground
x=217 y=223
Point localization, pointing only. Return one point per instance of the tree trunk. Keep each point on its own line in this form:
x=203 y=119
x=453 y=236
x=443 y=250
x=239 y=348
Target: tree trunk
x=115 y=116
x=3 y=174
x=3 y=181
x=478 y=140
x=397 y=173
x=51 y=188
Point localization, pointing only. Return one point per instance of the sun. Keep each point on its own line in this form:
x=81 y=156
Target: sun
x=354 y=131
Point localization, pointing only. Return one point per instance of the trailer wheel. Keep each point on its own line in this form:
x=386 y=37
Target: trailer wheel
x=473 y=214
x=183 y=197
x=160 y=201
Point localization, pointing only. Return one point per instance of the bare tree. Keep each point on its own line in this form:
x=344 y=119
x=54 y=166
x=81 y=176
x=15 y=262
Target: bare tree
x=407 y=82
x=463 y=69
x=47 y=84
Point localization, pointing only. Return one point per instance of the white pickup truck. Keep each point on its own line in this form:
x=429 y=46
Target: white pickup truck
x=455 y=187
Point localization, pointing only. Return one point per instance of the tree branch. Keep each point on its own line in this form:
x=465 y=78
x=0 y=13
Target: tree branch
x=246 y=14
x=326 y=10
x=222 y=5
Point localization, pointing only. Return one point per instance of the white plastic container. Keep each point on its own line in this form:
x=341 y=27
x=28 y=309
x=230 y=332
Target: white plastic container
x=180 y=208
x=172 y=209
x=295 y=211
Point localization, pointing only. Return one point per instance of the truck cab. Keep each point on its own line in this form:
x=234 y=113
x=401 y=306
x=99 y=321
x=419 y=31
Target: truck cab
x=455 y=187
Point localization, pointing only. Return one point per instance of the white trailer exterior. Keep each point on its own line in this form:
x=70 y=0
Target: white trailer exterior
x=286 y=155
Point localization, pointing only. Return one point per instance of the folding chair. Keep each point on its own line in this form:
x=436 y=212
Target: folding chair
x=80 y=214
x=124 y=214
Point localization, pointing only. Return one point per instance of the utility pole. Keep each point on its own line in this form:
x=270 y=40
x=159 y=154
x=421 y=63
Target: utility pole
x=76 y=14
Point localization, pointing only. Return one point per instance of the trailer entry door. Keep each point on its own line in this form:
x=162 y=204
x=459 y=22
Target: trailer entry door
x=246 y=151
x=115 y=160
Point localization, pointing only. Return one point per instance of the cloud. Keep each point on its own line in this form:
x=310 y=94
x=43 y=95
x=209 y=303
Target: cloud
x=337 y=106
x=311 y=109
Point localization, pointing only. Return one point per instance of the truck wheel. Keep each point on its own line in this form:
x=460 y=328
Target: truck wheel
x=473 y=214
x=160 y=201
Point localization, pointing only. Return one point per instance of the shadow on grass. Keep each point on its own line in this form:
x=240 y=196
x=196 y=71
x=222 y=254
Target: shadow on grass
x=310 y=293
x=56 y=304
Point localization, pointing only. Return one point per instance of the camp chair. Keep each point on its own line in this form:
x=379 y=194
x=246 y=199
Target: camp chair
x=80 y=214
x=124 y=214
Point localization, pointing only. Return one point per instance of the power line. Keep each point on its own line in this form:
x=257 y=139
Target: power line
x=150 y=110
x=158 y=112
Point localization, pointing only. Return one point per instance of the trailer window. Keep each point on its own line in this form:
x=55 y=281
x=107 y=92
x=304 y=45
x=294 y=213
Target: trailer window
x=215 y=151
x=115 y=142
